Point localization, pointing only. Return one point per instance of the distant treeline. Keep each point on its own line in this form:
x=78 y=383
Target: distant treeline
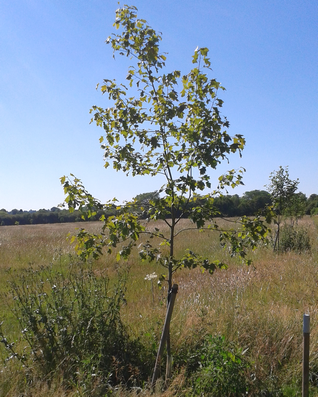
x=54 y=215
x=251 y=203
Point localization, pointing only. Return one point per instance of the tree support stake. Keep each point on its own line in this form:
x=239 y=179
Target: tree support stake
x=164 y=335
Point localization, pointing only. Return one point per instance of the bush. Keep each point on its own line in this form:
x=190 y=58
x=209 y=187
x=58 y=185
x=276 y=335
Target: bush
x=218 y=368
x=71 y=328
x=314 y=211
x=294 y=239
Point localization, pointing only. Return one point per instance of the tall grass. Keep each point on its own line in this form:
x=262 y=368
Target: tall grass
x=258 y=308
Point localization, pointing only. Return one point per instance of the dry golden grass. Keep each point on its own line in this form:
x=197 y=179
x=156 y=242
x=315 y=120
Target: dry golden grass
x=36 y=244
x=260 y=307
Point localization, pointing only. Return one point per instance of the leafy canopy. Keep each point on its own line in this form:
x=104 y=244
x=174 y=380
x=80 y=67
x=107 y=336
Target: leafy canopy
x=164 y=124
x=285 y=201
x=282 y=190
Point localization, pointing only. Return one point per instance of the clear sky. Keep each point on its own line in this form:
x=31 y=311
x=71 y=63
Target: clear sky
x=53 y=53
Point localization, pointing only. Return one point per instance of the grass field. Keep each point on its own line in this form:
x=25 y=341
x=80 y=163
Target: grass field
x=259 y=308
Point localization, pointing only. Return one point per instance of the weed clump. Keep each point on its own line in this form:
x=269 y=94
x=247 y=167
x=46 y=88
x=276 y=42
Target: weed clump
x=71 y=329
x=294 y=239
x=216 y=367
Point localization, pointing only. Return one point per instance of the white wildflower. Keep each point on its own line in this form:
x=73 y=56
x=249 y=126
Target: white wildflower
x=151 y=276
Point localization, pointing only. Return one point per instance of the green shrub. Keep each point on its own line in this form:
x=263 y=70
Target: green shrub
x=218 y=368
x=314 y=211
x=71 y=328
x=294 y=239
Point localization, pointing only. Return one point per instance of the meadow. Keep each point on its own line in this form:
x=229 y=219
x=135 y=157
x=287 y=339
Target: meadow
x=256 y=311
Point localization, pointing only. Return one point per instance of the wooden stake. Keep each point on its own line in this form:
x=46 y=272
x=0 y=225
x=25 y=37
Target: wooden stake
x=164 y=335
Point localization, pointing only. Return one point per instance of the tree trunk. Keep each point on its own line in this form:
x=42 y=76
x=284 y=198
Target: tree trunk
x=169 y=356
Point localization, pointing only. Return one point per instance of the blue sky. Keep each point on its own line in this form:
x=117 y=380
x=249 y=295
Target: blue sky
x=53 y=53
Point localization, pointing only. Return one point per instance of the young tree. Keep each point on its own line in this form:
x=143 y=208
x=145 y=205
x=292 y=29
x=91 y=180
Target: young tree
x=282 y=190
x=168 y=125
x=297 y=208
